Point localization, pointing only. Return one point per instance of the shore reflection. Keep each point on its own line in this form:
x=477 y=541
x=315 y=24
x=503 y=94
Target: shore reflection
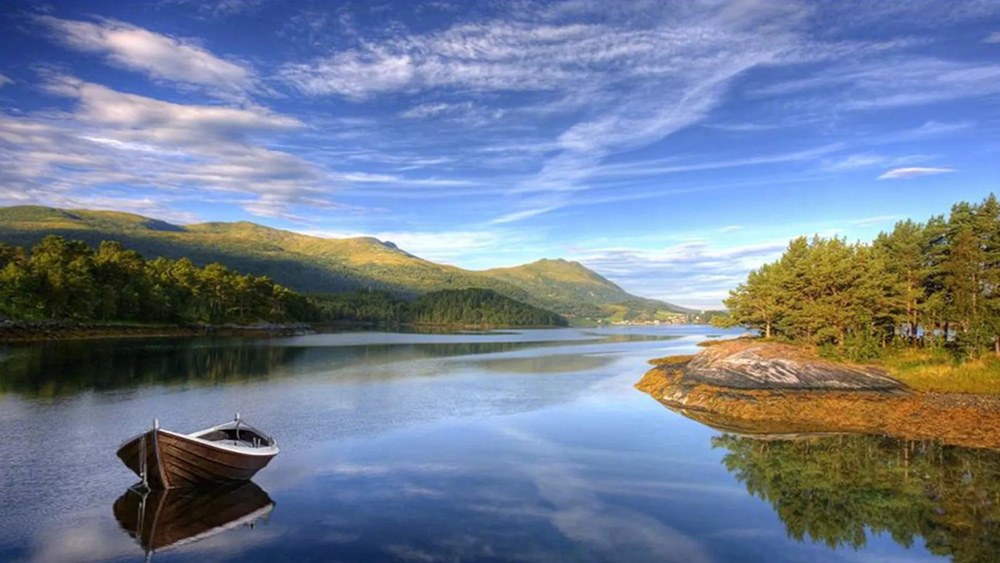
x=841 y=490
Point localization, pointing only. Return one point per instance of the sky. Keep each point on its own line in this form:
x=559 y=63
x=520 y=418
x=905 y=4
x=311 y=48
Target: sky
x=670 y=146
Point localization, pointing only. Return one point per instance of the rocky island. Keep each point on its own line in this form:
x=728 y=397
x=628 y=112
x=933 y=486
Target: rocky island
x=769 y=389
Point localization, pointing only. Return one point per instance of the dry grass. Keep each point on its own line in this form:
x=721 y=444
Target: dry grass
x=670 y=360
x=934 y=370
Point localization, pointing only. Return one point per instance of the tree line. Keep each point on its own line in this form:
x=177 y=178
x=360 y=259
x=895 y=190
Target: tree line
x=474 y=306
x=60 y=278
x=932 y=284
x=66 y=279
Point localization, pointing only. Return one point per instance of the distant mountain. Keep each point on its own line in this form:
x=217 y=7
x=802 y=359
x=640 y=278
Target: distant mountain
x=322 y=265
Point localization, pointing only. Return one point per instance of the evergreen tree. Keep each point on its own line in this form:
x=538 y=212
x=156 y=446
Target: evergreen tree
x=932 y=284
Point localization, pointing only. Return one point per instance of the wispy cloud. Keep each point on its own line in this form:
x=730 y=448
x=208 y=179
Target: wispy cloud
x=901 y=173
x=867 y=160
x=894 y=82
x=5 y=80
x=928 y=130
x=220 y=7
x=657 y=167
x=992 y=38
x=523 y=214
x=160 y=56
x=876 y=220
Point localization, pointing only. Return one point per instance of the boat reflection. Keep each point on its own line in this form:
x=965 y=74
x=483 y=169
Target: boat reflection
x=164 y=519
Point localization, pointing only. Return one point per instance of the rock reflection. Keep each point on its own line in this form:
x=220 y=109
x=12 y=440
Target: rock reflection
x=159 y=520
x=839 y=490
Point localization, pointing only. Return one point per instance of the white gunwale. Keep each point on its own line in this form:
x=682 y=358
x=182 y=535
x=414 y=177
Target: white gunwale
x=262 y=451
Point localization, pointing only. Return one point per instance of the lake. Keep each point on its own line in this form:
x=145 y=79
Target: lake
x=513 y=445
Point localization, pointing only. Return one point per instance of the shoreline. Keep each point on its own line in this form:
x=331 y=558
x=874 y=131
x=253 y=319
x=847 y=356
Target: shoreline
x=18 y=332
x=767 y=411
x=15 y=332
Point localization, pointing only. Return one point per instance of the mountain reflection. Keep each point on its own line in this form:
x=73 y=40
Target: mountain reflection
x=838 y=490
x=159 y=520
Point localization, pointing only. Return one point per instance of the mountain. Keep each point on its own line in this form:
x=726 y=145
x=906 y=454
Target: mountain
x=321 y=265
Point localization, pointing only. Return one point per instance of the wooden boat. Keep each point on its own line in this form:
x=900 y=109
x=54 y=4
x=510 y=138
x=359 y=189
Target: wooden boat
x=233 y=451
x=164 y=519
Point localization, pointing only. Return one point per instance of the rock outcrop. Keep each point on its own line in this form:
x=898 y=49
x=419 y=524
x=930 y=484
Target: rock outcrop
x=745 y=364
x=769 y=390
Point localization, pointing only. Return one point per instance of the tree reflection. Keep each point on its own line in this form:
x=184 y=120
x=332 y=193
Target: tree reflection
x=838 y=490
x=64 y=368
x=61 y=368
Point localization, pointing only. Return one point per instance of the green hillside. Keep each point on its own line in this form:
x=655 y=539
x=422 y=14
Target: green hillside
x=318 y=265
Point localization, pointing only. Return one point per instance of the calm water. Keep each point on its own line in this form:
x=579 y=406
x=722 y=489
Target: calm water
x=525 y=445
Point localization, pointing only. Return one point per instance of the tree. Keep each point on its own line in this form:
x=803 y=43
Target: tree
x=65 y=277
x=759 y=303
x=935 y=284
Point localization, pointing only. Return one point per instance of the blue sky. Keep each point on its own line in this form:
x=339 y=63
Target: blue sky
x=671 y=146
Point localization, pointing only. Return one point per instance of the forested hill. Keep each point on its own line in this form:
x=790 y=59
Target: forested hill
x=319 y=265
x=479 y=307
x=60 y=279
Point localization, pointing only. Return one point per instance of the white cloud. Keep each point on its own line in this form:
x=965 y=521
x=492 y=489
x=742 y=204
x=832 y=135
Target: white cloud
x=730 y=228
x=116 y=139
x=992 y=38
x=160 y=121
x=692 y=273
x=4 y=80
x=899 y=173
x=160 y=56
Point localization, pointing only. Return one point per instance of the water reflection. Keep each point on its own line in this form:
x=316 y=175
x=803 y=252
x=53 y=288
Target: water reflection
x=160 y=520
x=840 y=490
x=63 y=368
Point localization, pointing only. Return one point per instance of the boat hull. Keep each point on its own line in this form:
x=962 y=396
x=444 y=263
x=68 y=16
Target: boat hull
x=174 y=460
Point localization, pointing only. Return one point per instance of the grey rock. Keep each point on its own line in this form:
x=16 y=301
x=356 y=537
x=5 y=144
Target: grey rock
x=776 y=366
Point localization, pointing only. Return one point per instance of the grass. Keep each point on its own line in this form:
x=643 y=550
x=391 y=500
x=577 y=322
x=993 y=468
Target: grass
x=936 y=370
x=668 y=360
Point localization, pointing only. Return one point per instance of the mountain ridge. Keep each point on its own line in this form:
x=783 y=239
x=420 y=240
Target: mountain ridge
x=321 y=265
